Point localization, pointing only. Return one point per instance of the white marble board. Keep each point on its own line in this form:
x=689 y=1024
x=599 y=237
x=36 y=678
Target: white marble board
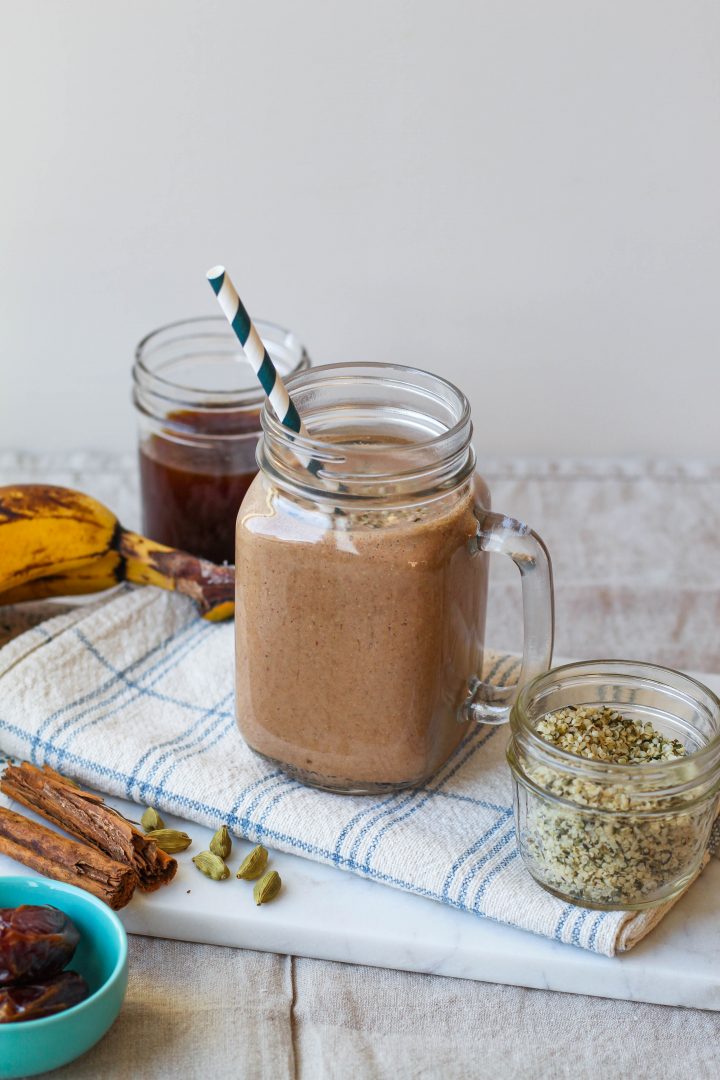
x=330 y=914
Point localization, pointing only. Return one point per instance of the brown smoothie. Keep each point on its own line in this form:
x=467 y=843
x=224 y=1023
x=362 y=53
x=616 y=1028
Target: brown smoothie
x=356 y=637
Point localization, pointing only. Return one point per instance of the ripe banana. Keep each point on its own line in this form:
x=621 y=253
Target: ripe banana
x=58 y=542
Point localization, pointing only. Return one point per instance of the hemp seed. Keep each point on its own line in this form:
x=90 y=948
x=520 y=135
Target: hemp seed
x=604 y=843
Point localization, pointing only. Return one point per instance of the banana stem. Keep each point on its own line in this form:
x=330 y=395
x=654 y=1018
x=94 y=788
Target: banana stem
x=146 y=562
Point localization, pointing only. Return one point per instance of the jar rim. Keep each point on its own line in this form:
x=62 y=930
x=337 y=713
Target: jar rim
x=149 y=383
x=611 y=770
x=421 y=422
x=337 y=450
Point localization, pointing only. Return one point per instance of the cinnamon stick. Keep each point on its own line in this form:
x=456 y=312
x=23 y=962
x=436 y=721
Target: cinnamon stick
x=88 y=817
x=65 y=860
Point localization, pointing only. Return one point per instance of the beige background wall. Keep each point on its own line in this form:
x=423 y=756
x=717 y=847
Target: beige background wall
x=520 y=195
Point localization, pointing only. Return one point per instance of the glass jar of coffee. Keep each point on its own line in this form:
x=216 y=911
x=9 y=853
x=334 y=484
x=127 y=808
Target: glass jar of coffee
x=361 y=582
x=199 y=404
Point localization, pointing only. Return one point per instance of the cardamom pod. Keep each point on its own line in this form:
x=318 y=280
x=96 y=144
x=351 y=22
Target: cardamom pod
x=253 y=865
x=267 y=887
x=170 y=840
x=211 y=865
x=151 y=820
x=221 y=844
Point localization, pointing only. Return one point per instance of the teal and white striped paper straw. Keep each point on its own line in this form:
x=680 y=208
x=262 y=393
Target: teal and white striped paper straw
x=256 y=353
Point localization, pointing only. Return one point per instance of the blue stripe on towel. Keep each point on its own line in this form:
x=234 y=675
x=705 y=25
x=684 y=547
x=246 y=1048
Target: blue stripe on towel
x=599 y=920
x=399 y=802
x=130 y=691
x=474 y=871
x=93 y=695
x=474 y=848
x=578 y=925
x=413 y=810
x=564 y=916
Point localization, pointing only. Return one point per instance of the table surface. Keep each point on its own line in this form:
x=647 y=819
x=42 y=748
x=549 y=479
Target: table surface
x=635 y=550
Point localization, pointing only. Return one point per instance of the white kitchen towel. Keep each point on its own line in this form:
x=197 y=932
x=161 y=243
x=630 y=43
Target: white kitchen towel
x=133 y=695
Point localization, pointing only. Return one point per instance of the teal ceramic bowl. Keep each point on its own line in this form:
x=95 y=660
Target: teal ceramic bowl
x=35 y=1046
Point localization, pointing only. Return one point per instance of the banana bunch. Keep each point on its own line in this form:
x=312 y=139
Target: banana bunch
x=58 y=542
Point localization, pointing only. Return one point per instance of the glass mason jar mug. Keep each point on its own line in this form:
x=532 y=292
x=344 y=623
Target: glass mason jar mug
x=608 y=835
x=199 y=407
x=361 y=582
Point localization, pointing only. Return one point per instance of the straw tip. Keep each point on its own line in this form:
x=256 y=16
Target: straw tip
x=215 y=272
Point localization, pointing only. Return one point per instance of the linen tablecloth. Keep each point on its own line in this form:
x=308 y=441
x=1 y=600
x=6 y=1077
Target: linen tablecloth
x=635 y=551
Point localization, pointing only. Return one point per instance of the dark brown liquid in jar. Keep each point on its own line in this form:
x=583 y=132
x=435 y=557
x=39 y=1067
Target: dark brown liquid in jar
x=193 y=477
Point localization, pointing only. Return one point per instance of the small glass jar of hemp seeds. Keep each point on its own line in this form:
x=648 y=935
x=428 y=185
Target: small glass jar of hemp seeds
x=616 y=776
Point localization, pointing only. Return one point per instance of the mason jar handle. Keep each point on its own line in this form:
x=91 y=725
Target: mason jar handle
x=491 y=704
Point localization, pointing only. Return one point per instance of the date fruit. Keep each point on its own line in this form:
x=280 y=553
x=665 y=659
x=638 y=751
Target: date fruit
x=35 y=943
x=35 y=1000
